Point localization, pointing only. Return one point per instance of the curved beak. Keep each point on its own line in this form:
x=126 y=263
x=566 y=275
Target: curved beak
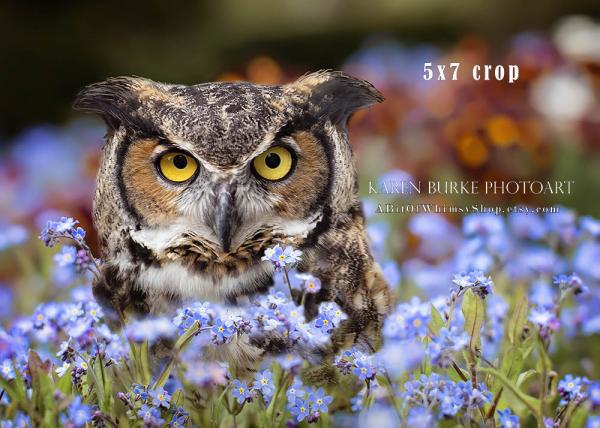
x=224 y=215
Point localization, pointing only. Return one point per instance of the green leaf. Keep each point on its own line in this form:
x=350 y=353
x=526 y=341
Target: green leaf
x=473 y=311
x=512 y=363
x=528 y=345
x=530 y=402
x=437 y=322
x=64 y=383
x=145 y=362
x=42 y=388
x=579 y=417
x=524 y=377
x=543 y=363
x=518 y=320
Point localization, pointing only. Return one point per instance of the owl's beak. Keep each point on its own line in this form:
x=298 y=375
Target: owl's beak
x=225 y=215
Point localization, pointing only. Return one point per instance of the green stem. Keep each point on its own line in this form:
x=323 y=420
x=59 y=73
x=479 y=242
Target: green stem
x=289 y=284
x=515 y=391
x=179 y=345
x=543 y=376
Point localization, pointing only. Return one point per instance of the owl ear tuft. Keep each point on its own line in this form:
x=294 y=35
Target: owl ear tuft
x=115 y=100
x=335 y=94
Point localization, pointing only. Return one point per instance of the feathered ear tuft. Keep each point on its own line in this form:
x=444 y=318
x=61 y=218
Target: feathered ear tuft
x=115 y=100
x=335 y=94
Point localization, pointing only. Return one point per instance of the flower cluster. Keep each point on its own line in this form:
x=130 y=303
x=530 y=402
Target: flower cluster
x=455 y=347
x=66 y=227
x=307 y=404
x=448 y=396
x=153 y=406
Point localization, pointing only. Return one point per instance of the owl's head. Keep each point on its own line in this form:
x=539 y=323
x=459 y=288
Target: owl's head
x=220 y=171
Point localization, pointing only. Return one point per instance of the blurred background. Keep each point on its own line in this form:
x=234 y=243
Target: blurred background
x=546 y=126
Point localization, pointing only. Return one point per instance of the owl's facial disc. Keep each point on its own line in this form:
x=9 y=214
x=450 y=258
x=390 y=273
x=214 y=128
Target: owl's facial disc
x=217 y=218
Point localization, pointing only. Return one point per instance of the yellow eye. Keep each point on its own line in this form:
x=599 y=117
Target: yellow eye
x=273 y=164
x=177 y=167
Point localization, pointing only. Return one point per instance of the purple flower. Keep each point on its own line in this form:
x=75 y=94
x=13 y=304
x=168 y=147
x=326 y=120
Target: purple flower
x=198 y=312
x=57 y=229
x=542 y=295
x=7 y=369
x=150 y=415
x=150 y=329
x=319 y=401
x=241 y=392
x=21 y=420
x=281 y=257
x=476 y=280
x=408 y=321
x=11 y=235
x=592 y=422
x=571 y=388
x=263 y=382
x=545 y=319
x=508 y=420
x=205 y=374
x=529 y=226
x=473 y=397
x=324 y=324
x=450 y=401
x=178 y=421
x=420 y=417
x=66 y=256
x=295 y=391
x=222 y=331
x=364 y=369
x=160 y=397
x=78 y=414
x=78 y=234
x=593 y=391
x=444 y=345
x=591 y=226
x=399 y=356
x=482 y=224
x=300 y=409
x=570 y=282
x=310 y=283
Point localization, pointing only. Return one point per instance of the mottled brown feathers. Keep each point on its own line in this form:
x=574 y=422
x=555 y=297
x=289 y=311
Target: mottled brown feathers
x=165 y=243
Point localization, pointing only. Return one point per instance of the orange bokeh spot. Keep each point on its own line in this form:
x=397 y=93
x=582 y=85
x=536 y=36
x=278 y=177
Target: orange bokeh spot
x=264 y=70
x=472 y=151
x=502 y=130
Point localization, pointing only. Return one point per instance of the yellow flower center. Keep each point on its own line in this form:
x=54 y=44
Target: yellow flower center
x=282 y=257
x=221 y=329
x=570 y=384
x=417 y=322
x=241 y=390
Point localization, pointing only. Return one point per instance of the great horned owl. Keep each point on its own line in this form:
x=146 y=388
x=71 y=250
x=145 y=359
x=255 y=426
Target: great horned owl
x=197 y=181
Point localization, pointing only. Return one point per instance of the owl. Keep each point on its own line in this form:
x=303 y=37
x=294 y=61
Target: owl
x=196 y=182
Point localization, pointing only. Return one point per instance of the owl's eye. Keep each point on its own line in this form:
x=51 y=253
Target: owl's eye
x=274 y=164
x=177 y=166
